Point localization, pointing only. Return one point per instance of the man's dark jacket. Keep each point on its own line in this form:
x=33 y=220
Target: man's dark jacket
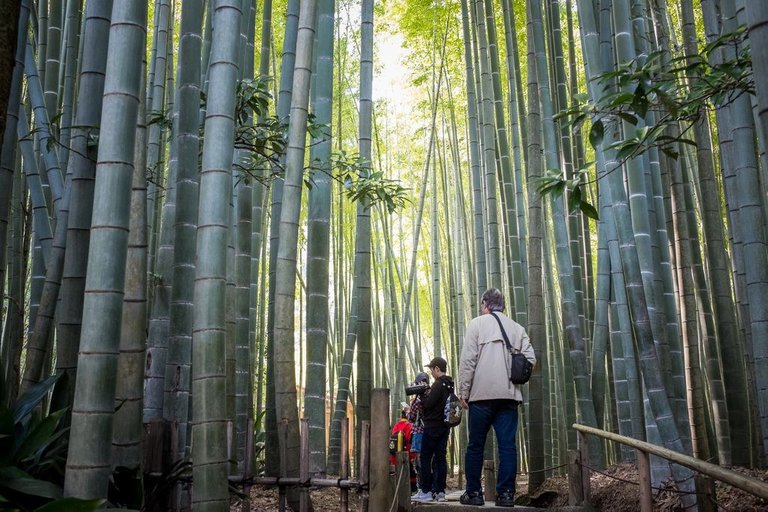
x=434 y=402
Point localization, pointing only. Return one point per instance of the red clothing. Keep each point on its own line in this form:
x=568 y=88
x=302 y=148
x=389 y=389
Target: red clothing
x=404 y=426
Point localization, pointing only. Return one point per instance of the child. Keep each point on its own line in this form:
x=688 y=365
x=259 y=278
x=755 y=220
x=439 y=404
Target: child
x=401 y=437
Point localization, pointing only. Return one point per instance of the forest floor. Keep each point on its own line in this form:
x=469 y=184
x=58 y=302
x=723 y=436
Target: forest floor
x=614 y=490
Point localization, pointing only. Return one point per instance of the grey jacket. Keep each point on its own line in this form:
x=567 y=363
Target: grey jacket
x=484 y=367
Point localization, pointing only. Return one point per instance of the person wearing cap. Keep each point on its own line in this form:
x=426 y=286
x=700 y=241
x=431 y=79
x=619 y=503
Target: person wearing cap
x=485 y=388
x=416 y=418
x=434 y=442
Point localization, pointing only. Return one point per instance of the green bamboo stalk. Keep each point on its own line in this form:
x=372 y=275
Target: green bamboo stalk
x=318 y=246
x=536 y=307
x=8 y=151
x=96 y=31
x=572 y=327
x=283 y=110
x=13 y=329
x=488 y=135
x=89 y=461
x=52 y=56
x=179 y=357
x=508 y=196
x=128 y=429
x=209 y=413
x=474 y=152
x=70 y=54
x=285 y=272
x=720 y=282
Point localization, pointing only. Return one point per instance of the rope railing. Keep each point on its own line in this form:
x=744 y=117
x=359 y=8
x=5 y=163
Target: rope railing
x=543 y=470
x=743 y=482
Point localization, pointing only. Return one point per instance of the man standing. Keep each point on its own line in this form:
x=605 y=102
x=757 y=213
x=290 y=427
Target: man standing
x=492 y=399
x=434 y=442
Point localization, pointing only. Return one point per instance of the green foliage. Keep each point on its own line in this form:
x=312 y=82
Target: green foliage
x=32 y=455
x=264 y=143
x=359 y=183
x=678 y=91
x=554 y=183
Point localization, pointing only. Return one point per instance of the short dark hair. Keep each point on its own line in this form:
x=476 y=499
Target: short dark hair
x=438 y=362
x=494 y=299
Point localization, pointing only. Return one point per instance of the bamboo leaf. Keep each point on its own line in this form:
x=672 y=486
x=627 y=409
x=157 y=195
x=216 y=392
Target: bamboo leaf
x=32 y=398
x=588 y=210
x=574 y=199
x=71 y=505
x=671 y=153
x=627 y=149
x=596 y=133
x=631 y=119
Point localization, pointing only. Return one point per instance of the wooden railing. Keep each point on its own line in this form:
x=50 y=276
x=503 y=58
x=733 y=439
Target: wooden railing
x=579 y=472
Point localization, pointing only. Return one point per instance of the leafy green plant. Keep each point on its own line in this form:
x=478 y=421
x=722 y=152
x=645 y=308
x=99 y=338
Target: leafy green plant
x=677 y=90
x=32 y=456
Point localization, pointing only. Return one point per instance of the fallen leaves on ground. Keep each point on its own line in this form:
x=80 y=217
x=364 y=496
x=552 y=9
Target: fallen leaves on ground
x=612 y=490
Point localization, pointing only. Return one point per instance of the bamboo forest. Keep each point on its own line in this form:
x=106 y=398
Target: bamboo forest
x=234 y=231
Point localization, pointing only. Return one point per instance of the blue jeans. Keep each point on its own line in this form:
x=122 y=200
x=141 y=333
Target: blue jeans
x=434 y=468
x=502 y=415
x=416 y=442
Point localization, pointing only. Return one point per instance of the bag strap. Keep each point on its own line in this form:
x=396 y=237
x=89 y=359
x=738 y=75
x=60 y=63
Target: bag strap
x=503 y=332
x=506 y=342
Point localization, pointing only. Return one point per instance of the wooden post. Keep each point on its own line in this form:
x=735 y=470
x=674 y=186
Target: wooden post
x=403 y=482
x=381 y=493
x=248 y=464
x=644 y=474
x=283 y=433
x=173 y=453
x=344 y=465
x=707 y=493
x=154 y=450
x=365 y=467
x=489 y=474
x=304 y=503
x=575 y=482
x=584 y=458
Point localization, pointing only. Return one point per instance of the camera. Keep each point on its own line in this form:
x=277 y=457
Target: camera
x=416 y=389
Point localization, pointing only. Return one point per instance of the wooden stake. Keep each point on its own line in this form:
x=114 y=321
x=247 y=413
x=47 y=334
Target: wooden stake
x=344 y=465
x=304 y=503
x=644 y=474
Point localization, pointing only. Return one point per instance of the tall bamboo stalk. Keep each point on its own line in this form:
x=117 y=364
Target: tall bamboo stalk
x=89 y=463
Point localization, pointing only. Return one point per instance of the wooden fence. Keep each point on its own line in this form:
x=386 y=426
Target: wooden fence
x=372 y=483
x=579 y=470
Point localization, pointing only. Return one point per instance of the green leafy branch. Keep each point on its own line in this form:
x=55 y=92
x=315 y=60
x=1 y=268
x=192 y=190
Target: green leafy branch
x=553 y=183
x=359 y=182
x=679 y=91
x=264 y=143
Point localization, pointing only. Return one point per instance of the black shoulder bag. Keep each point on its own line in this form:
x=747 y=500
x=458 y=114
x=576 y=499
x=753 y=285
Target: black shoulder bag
x=521 y=368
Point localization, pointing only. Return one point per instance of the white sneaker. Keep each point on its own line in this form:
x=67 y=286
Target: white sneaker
x=440 y=497
x=422 y=496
